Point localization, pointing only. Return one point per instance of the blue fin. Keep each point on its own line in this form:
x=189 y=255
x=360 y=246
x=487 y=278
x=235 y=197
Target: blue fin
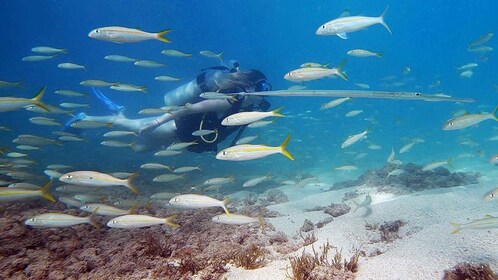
x=113 y=107
x=342 y=35
x=67 y=126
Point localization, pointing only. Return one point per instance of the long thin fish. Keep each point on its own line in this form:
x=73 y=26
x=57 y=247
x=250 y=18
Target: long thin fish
x=398 y=95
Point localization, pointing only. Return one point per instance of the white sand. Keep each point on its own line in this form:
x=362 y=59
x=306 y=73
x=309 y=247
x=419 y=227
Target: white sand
x=426 y=247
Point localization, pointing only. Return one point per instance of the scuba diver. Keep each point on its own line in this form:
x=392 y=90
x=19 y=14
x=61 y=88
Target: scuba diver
x=195 y=113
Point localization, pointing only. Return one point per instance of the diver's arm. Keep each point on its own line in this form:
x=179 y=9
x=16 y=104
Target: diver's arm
x=199 y=107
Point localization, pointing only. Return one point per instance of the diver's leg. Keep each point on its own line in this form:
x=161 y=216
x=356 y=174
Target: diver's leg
x=163 y=136
x=121 y=121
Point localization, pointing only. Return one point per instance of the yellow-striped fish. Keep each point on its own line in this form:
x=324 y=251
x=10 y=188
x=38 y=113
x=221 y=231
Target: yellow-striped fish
x=14 y=103
x=249 y=152
x=118 y=34
x=13 y=194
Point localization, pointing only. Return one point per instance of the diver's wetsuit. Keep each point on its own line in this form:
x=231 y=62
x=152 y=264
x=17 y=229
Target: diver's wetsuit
x=219 y=79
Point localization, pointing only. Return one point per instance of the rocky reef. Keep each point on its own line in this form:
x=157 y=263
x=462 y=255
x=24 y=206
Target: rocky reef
x=411 y=179
x=198 y=249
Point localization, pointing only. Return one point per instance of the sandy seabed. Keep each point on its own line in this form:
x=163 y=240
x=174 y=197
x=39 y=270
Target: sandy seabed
x=426 y=247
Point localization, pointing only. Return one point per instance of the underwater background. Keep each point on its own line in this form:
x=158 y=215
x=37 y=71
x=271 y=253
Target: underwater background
x=275 y=37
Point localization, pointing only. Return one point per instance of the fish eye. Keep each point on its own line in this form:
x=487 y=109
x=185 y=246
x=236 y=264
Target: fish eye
x=32 y=220
x=323 y=26
x=114 y=222
x=451 y=123
x=97 y=31
x=225 y=153
x=176 y=200
x=418 y=94
x=492 y=195
x=69 y=176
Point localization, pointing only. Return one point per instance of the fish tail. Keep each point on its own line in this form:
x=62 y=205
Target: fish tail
x=457 y=228
x=38 y=97
x=341 y=73
x=450 y=162
x=92 y=220
x=169 y=221
x=283 y=147
x=231 y=179
x=143 y=89
x=379 y=54
x=130 y=185
x=276 y=112
x=261 y=222
x=133 y=146
x=20 y=84
x=133 y=209
x=494 y=114
x=161 y=36
x=381 y=20
x=224 y=205
x=219 y=56
x=44 y=191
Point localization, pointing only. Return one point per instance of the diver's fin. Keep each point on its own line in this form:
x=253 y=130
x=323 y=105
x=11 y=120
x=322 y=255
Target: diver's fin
x=161 y=36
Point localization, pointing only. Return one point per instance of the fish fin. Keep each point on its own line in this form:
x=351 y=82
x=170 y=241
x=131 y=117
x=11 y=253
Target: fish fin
x=495 y=114
x=169 y=221
x=91 y=219
x=276 y=112
x=133 y=145
x=161 y=36
x=381 y=20
x=130 y=185
x=133 y=209
x=224 y=205
x=341 y=73
x=44 y=191
x=283 y=147
x=489 y=216
x=38 y=97
x=457 y=228
x=342 y=36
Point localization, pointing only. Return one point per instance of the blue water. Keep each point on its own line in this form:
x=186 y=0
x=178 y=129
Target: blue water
x=275 y=37
x=430 y=37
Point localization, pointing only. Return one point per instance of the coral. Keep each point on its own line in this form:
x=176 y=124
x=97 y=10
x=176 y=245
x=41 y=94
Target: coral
x=317 y=266
x=470 y=271
x=307 y=226
x=389 y=230
x=276 y=196
x=199 y=249
x=337 y=210
x=323 y=222
x=251 y=257
x=309 y=239
x=413 y=179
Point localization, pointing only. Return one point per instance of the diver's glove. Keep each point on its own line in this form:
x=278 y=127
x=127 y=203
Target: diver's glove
x=148 y=127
